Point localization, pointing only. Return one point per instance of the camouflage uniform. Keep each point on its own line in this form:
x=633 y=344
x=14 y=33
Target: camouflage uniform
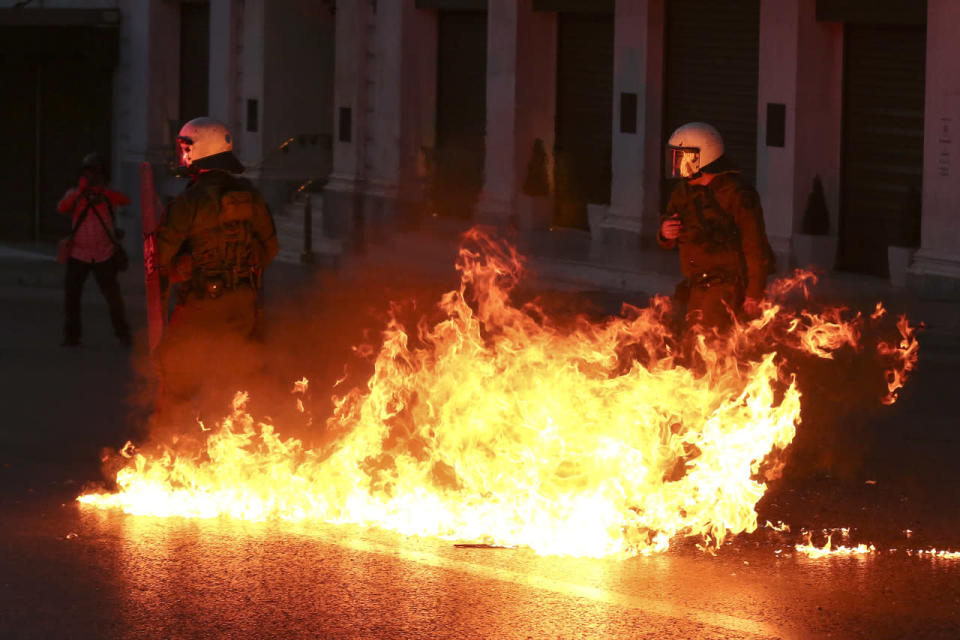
x=724 y=252
x=223 y=226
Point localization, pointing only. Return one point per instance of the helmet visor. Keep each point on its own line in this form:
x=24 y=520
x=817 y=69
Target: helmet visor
x=682 y=162
x=184 y=145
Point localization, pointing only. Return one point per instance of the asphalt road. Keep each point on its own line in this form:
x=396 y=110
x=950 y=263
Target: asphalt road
x=72 y=572
x=68 y=571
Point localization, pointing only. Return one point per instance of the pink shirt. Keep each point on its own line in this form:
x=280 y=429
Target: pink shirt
x=91 y=242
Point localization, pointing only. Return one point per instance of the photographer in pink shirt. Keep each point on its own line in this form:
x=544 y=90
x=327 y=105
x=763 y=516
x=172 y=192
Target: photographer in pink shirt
x=94 y=246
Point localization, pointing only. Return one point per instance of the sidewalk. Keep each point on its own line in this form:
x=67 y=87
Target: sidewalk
x=35 y=265
x=568 y=259
x=559 y=259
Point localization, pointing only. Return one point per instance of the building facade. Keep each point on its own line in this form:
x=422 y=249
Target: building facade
x=526 y=113
x=554 y=112
x=121 y=77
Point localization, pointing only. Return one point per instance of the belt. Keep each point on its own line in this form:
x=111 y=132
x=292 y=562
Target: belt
x=214 y=285
x=707 y=279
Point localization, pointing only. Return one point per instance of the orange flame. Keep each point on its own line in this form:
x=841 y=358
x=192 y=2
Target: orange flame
x=809 y=549
x=904 y=356
x=499 y=425
x=827 y=550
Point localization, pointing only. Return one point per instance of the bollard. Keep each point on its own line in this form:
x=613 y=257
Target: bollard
x=307 y=256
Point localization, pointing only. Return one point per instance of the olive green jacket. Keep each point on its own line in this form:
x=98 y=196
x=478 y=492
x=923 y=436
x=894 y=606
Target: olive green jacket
x=723 y=232
x=222 y=222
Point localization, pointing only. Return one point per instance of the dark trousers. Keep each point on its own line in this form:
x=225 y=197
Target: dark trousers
x=714 y=306
x=205 y=356
x=105 y=273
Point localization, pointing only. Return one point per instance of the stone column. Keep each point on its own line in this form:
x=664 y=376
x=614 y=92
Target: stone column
x=418 y=105
x=150 y=83
x=383 y=112
x=151 y=45
x=818 y=120
x=146 y=99
x=776 y=165
x=353 y=25
x=936 y=267
x=226 y=30
x=386 y=77
x=250 y=84
x=400 y=113
x=800 y=68
x=521 y=100
x=402 y=106
x=637 y=71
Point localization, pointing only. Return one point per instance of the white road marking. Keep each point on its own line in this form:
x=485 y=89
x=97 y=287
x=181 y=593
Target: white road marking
x=647 y=605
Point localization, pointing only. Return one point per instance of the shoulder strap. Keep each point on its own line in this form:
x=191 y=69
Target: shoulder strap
x=80 y=218
x=113 y=218
x=106 y=230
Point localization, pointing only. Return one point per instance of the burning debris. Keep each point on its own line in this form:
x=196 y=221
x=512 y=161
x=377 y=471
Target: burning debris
x=497 y=425
x=808 y=548
x=827 y=549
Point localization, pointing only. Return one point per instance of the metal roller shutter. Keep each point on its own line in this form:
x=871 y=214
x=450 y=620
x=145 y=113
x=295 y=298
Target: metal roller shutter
x=58 y=108
x=712 y=71
x=194 y=60
x=461 y=110
x=18 y=111
x=882 y=144
x=584 y=114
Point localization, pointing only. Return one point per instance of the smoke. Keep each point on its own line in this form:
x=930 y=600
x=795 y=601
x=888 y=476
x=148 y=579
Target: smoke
x=320 y=324
x=843 y=396
x=325 y=326
x=840 y=399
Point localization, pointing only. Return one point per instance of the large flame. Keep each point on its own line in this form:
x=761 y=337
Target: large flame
x=497 y=424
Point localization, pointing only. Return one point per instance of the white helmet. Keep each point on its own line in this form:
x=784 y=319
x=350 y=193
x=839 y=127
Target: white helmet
x=208 y=140
x=691 y=148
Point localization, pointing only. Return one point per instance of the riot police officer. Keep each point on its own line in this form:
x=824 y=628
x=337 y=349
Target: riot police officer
x=715 y=221
x=214 y=242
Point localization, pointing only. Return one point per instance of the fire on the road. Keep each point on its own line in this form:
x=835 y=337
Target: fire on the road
x=498 y=424
x=810 y=549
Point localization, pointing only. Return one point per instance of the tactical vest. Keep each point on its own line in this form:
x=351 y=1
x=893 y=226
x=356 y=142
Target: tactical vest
x=221 y=239
x=710 y=224
x=729 y=198
x=707 y=213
